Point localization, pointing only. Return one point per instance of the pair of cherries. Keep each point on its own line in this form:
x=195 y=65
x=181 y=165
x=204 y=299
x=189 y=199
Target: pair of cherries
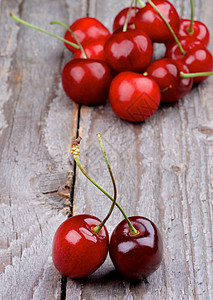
x=81 y=243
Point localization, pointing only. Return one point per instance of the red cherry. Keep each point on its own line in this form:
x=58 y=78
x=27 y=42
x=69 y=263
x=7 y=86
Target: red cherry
x=149 y=21
x=136 y=256
x=197 y=58
x=128 y=51
x=93 y=50
x=166 y=72
x=187 y=42
x=86 y=81
x=200 y=31
x=77 y=250
x=120 y=18
x=134 y=97
x=86 y=30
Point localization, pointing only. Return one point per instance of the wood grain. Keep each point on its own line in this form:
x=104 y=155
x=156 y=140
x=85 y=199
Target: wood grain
x=37 y=124
x=163 y=167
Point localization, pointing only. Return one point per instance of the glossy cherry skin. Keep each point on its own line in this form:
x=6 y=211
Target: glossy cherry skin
x=93 y=50
x=134 y=97
x=149 y=21
x=128 y=51
x=166 y=72
x=77 y=250
x=120 y=18
x=138 y=256
x=197 y=58
x=87 y=81
x=187 y=42
x=200 y=31
x=86 y=29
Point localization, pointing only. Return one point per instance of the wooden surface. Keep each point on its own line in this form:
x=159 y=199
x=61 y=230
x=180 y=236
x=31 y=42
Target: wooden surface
x=163 y=167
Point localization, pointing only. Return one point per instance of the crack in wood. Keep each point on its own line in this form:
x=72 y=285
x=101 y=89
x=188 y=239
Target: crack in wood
x=49 y=192
x=88 y=5
x=63 y=287
x=71 y=200
x=39 y=225
x=72 y=192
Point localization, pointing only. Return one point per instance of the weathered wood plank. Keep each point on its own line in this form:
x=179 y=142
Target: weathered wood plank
x=163 y=169
x=37 y=124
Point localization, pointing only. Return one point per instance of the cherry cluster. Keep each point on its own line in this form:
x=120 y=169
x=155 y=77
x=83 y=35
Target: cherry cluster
x=81 y=243
x=119 y=65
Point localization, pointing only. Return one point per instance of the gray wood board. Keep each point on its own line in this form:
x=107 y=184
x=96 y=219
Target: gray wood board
x=37 y=125
x=163 y=167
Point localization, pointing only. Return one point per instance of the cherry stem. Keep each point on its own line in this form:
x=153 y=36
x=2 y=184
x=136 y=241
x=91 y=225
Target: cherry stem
x=133 y=231
x=135 y=12
x=76 y=154
x=193 y=75
x=74 y=36
x=168 y=25
x=42 y=30
x=190 y=30
x=97 y=229
x=127 y=17
x=166 y=89
x=141 y=3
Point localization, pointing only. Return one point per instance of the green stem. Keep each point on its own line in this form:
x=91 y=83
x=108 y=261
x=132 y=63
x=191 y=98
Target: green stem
x=127 y=17
x=135 y=12
x=97 y=229
x=168 y=25
x=141 y=3
x=166 y=89
x=76 y=154
x=190 y=30
x=74 y=36
x=43 y=30
x=193 y=75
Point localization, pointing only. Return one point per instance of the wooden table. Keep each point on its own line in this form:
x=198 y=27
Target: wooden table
x=163 y=167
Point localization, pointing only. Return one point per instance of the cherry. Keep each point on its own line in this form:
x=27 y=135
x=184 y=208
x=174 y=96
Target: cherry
x=134 y=97
x=199 y=31
x=86 y=29
x=93 y=50
x=149 y=20
x=197 y=58
x=77 y=250
x=120 y=18
x=87 y=81
x=187 y=42
x=192 y=53
x=129 y=50
x=166 y=72
x=136 y=256
x=193 y=28
x=80 y=244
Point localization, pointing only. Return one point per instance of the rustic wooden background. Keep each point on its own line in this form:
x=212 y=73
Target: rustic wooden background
x=163 y=167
